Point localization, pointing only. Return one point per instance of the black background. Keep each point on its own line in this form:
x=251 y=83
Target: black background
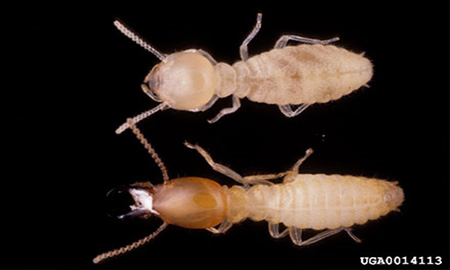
x=74 y=78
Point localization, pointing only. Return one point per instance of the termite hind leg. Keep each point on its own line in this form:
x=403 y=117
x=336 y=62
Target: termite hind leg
x=243 y=49
x=223 y=227
x=274 y=230
x=354 y=237
x=235 y=106
x=216 y=166
x=296 y=236
x=283 y=40
x=289 y=112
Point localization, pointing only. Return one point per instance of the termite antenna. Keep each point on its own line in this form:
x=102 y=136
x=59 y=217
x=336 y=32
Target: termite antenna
x=140 y=41
x=113 y=253
x=138 y=118
x=149 y=148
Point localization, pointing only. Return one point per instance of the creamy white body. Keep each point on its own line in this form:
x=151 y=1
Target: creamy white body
x=294 y=75
x=316 y=201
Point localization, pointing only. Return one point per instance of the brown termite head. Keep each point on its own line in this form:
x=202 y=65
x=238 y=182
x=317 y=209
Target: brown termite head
x=188 y=202
x=184 y=80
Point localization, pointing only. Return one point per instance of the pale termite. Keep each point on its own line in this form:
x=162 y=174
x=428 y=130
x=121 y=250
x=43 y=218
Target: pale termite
x=288 y=76
x=332 y=203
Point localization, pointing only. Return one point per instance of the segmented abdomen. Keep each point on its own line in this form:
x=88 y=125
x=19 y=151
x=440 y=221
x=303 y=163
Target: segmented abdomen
x=323 y=201
x=301 y=74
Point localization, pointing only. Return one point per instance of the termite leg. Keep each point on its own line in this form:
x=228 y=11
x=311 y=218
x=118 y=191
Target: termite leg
x=243 y=49
x=274 y=231
x=288 y=112
x=262 y=178
x=230 y=110
x=354 y=237
x=216 y=166
x=223 y=227
x=283 y=40
x=291 y=175
x=247 y=180
x=208 y=56
x=207 y=105
x=299 y=162
x=296 y=236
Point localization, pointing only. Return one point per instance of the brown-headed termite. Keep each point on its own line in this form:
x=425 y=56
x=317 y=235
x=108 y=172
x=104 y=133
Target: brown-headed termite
x=332 y=203
x=192 y=80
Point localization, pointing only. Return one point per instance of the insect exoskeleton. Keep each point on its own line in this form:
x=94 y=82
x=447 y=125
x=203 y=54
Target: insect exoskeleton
x=332 y=203
x=192 y=80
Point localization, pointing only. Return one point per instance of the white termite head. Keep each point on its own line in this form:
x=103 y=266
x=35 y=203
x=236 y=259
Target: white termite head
x=184 y=80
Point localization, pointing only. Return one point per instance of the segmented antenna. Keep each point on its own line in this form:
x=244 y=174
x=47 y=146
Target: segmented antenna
x=141 y=117
x=113 y=253
x=149 y=148
x=141 y=42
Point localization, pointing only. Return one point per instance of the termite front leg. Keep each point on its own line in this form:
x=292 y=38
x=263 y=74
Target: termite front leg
x=236 y=105
x=283 y=40
x=216 y=166
x=223 y=227
x=243 y=49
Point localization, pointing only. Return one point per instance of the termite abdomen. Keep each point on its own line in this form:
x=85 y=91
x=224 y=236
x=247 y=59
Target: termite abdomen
x=303 y=74
x=318 y=201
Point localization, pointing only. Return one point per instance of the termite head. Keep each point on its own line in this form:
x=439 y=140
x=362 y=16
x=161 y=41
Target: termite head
x=184 y=80
x=188 y=202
